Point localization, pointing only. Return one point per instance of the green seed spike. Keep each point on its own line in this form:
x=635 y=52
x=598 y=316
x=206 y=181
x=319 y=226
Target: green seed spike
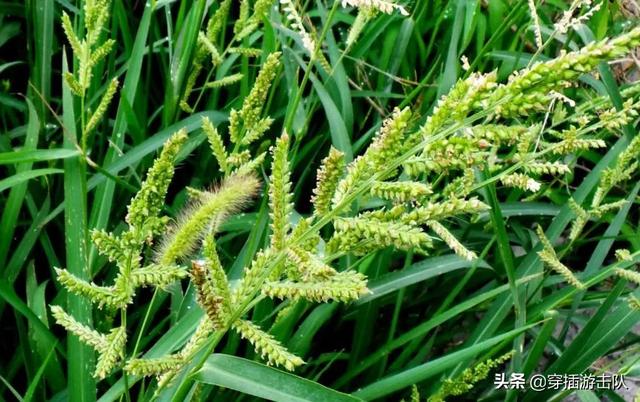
x=266 y=346
x=150 y=199
x=211 y=208
x=280 y=193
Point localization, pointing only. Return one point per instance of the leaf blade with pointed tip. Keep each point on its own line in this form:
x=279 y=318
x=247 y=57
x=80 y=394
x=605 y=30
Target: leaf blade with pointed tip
x=266 y=382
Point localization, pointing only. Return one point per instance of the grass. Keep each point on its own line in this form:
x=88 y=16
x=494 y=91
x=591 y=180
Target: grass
x=427 y=318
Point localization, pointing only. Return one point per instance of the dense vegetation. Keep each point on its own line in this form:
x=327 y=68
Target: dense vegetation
x=322 y=201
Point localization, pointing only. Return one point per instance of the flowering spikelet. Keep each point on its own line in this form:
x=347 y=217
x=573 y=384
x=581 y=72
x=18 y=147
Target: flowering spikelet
x=600 y=210
x=73 y=39
x=243 y=17
x=343 y=286
x=289 y=9
x=376 y=234
x=108 y=245
x=521 y=181
x=552 y=168
x=266 y=346
x=97 y=116
x=253 y=103
x=237 y=159
x=252 y=276
x=102 y=295
x=199 y=337
x=212 y=286
x=198 y=61
x=245 y=51
x=451 y=241
x=468 y=378
x=328 y=175
x=255 y=132
x=448 y=153
x=310 y=241
x=549 y=257
x=246 y=24
x=365 y=14
x=216 y=144
x=169 y=365
x=157 y=275
x=215 y=23
x=401 y=191
x=73 y=84
x=626 y=164
x=250 y=166
x=384 y=6
x=149 y=200
x=96 y=14
x=631 y=276
x=112 y=352
x=499 y=134
x=207 y=296
x=568 y=21
x=634 y=302
x=530 y=89
x=440 y=210
x=234 y=193
x=573 y=144
x=536 y=22
x=280 y=193
x=461 y=186
x=387 y=144
x=622 y=254
x=613 y=119
x=110 y=347
x=415 y=394
x=455 y=106
x=582 y=217
x=216 y=59
x=153 y=366
x=216 y=272
x=306 y=266
x=101 y=52
x=223 y=82
x=86 y=335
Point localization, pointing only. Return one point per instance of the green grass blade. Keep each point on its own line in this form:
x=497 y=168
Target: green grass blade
x=42 y=20
x=38 y=155
x=10 y=296
x=181 y=62
x=22 y=177
x=28 y=396
x=11 y=209
x=415 y=375
x=450 y=74
x=265 y=382
x=423 y=328
x=417 y=272
x=80 y=357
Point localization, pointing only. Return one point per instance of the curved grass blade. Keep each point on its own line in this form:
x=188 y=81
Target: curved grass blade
x=22 y=177
x=266 y=382
x=36 y=155
x=417 y=272
x=414 y=375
